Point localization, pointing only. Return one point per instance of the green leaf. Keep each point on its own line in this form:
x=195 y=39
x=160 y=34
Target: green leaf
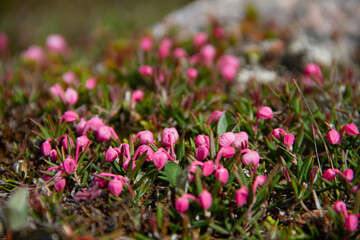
x=226 y=123
x=181 y=148
x=172 y=171
x=17 y=210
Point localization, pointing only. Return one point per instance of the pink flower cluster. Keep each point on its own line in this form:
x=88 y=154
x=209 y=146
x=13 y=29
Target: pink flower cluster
x=204 y=199
x=334 y=137
x=287 y=138
x=351 y=220
x=241 y=195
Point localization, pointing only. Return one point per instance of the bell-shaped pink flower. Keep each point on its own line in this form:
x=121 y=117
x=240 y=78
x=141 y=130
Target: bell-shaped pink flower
x=259 y=181
x=69 y=116
x=115 y=187
x=200 y=39
x=71 y=96
x=70 y=77
x=208 y=168
x=146 y=70
x=351 y=223
x=205 y=199
x=164 y=48
x=202 y=141
x=223 y=175
x=60 y=185
x=215 y=116
x=46 y=147
x=349 y=174
x=90 y=83
x=251 y=157
x=69 y=164
x=226 y=152
x=313 y=71
x=80 y=126
x=144 y=148
x=180 y=53
x=146 y=44
x=33 y=54
x=111 y=155
x=208 y=53
x=56 y=44
x=340 y=207
x=82 y=141
x=160 y=158
x=202 y=153
x=94 y=124
x=265 y=113
x=350 y=129
x=137 y=96
x=333 y=137
x=145 y=137
x=192 y=74
x=228 y=60
x=57 y=91
x=53 y=155
x=182 y=204
x=289 y=140
x=278 y=132
x=241 y=196
x=169 y=136
x=329 y=174
x=228 y=73
x=103 y=134
x=227 y=139
x=241 y=140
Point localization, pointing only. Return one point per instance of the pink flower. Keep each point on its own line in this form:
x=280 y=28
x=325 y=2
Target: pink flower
x=222 y=174
x=226 y=152
x=208 y=168
x=159 y=158
x=215 y=116
x=57 y=91
x=208 y=53
x=146 y=44
x=56 y=43
x=241 y=196
x=34 y=54
x=71 y=96
x=251 y=157
x=53 y=155
x=69 y=116
x=137 y=96
x=228 y=73
x=202 y=141
x=340 y=207
x=202 y=153
x=200 y=39
x=192 y=74
x=111 y=155
x=241 y=140
x=94 y=124
x=180 y=53
x=333 y=137
x=144 y=148
x=3 y=42
x=70 y=77
x=182 y=204
x=164 y=48
x=90 y=83
x=227 y=139
x=313 y=71
x=351 y=223
x=80 y=126
x=115 y=187
x=205 y=199
x=329 y=174
x=228 y=66
x=277 y=132
x=103 y=134
x=60 y=185
x=350 y=129
x=265 y=113
x=218 y=32
x=289 y=140
x=46 y=147
x=259 y=181
x=169 y=137
x=146 y=71
x=349 y=174
x=69 y=165
x=145 y=137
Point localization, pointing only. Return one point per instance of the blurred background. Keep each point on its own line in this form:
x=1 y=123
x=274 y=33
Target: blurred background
x=31 y=21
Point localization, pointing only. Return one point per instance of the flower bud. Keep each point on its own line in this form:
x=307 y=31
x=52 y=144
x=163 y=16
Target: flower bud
x=208 y=53
x=340 y=207
x=69 y=116
x=202 y=153
x=333 y=137
x=208 y=168
x=115 y=187
x=145 y=137
x=182 y=204
x=313 y=71
x=80 y=126
x=200 y=39
x=223 y=175
x=289 y=140
x=56 y=43
x=57 y=91
x=192 y=74
x=215 y=116
x=69 y=165
x=329 y=174
x=228 y=60
x=228 y=72
x=33 y=54
x=137 y=96
x=71 y=96
x=251 y=157
x=111 y=155
x=53 y=155
x=164 y=48
x=259 y=181
x=227 y=152
x=265 y=113
x=90 y=83
x=70 y=77
x=169 y=137
x=227 y=139
x=351 y=223
x=278 y=132
x=103 y=134
x=349 y=174
x=144 y=148
x=180 y=53
x=241 y=196
x=146 y=71
x=218 y=32
x=46 y=147
x=351 y=129
x=205 y=199
x=160 y=158
x=60 y=185
x=202 y=141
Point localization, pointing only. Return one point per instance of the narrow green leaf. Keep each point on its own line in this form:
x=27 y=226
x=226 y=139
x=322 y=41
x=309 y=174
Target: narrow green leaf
x=181 y=148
